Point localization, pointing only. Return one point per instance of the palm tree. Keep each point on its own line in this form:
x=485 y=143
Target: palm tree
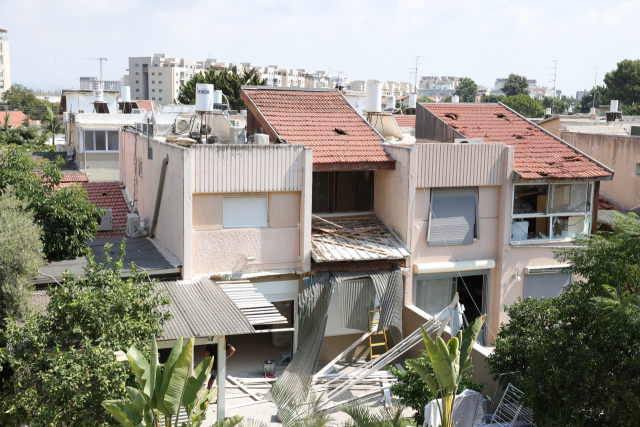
x=52 y=125
x=25 y=122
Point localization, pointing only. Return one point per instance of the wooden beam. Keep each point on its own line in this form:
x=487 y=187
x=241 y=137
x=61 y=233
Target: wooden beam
x=242 y=387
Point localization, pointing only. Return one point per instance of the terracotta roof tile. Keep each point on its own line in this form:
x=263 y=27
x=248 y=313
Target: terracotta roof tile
x=109 y=195
x=147 y=105
x=15 y=118
x=605 y=204
x=537 y=154
x=406 y=121
x=316 y=119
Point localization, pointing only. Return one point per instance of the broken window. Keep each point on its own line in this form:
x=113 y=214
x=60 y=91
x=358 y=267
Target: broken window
x=349 y=191
x=541 y=211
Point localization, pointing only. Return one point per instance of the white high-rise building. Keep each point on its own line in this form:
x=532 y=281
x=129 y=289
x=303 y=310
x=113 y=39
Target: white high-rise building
x=5 y=63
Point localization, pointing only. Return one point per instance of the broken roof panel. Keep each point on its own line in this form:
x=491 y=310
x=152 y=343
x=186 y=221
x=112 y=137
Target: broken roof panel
x=202 y=309
x=538 y=154
x=323 y=120
x=354 y=238
x=251 y=303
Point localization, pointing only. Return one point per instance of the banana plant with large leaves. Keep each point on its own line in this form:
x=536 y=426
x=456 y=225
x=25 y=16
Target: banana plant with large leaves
x=164 y=389
x=450 y=362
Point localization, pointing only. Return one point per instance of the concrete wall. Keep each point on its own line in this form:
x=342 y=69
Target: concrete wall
x=552 y=126
x=175 y=214
x=100 y=166
x=620 y=153
x=217 y=250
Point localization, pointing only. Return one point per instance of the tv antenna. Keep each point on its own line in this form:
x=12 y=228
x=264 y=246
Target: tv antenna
x=555 y=72
x=595 y=88
x=98 y=59
x=415 y=71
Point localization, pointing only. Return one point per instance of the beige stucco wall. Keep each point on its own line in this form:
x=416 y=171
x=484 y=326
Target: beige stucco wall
x=218 y=251
x=174 y=216
x=207 y=212
x=552 y=126
x=620 y=153
x=100 y=166
x=284 y=209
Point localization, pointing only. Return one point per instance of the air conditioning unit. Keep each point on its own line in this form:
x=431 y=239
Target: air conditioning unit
x=261 y=139
x=236 y=135
x=80 y=111
x=133 y=223
x=235 y=123
x=467 y=141
x=105 y=220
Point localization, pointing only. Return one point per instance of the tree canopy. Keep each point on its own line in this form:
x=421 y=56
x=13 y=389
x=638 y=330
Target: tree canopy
x=623 y=83
x=515 y=85
x=67 y=217
x=228 y=81
x=425 y=99
x=492 y=98
x=579 y=353
x=586 y=102
x=561 y=106
x=525 y=105
x=20 y=255
x=59 y=365
x=467 y=90
x=19 y=98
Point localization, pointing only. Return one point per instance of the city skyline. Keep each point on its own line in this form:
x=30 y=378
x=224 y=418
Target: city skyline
x=481 y=40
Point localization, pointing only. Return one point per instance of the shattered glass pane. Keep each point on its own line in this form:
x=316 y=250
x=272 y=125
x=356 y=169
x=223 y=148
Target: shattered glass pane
x=568 y=227
x=569 y=198
x=530 y=199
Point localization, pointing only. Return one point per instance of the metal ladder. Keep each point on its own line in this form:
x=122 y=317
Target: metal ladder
x=373 y=325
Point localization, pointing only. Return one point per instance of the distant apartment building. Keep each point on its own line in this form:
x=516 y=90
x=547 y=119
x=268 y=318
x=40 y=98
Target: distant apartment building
x=86 y=83
x=439 y=82
x=158 y=78
x=581 y=93
x=5 y=64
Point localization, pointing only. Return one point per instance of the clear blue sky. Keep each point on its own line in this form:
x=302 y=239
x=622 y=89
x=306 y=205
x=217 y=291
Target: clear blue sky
x=369 y=39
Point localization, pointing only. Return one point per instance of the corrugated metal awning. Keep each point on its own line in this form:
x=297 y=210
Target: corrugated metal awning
x=202 y=309
x=354 y=238
x=253 y=305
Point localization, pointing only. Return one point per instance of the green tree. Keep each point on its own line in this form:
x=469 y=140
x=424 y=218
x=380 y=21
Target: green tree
x=30 y=138
x=67 y=216
x=52 y=125
x=467 y=90
x=561 y=106
x=19 y=98
x=228 y=81
x=623 y=83
x=446 y=99
x=579 y=353
x=525 y=105
x=414 y=393
x=515 y=85
x=61 y=358
x=425 y=99
x=586 y=102
x=493 y=98
x=20 y=255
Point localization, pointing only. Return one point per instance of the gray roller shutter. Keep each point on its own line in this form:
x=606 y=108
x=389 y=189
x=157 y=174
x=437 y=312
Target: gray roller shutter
x=453 y=216
x=245 y=210
x=545 y=285
x=334 y=319
x=357 y=298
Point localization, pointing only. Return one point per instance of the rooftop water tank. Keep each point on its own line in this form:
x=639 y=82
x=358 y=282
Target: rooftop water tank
x=217 y=97
x=413 y=98
x=125 y=93
x=455 y=98
x=374 y=97
x=98 y=94
x=204 y=97
x=614 y=106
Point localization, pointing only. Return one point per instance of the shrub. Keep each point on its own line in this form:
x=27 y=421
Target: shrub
x=413 y=391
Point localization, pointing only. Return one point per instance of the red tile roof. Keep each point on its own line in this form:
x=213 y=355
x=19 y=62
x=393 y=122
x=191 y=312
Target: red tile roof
x=146 y=105
x=607 y=205
x=316 y=119
x=74 y=178
x=405 y=121
x=15 y=118
x=109 y=195
x=537 y=154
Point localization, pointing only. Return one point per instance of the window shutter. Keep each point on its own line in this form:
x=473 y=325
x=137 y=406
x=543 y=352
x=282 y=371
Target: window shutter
x=245 y=211
x=545 y=285
x=453 y=216
x=334 y=317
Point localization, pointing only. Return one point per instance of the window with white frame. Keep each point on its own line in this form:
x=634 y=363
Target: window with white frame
x=551 y=211
x=101 y=140
x=545 y=284
x=245 y=210
x=454 y=216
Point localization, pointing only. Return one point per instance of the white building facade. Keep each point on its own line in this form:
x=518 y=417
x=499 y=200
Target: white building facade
x=5 y=64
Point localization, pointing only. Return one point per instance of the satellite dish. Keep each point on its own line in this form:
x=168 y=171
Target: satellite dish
x=182 y=126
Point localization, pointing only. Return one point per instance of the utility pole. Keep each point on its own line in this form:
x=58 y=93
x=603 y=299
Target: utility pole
x=595 y=88
x=415 y=71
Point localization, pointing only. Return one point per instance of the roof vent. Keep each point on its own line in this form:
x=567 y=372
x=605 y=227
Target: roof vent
x=339 y=131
